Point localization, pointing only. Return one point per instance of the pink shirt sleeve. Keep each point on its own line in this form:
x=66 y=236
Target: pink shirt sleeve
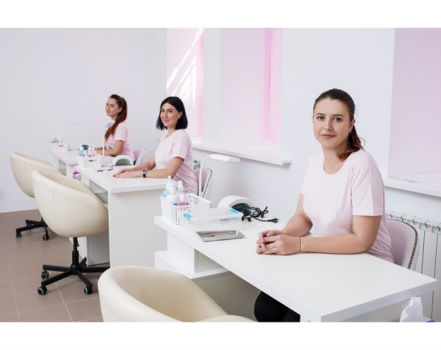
x=121 y=133
x=367 y=191
x=181 y=146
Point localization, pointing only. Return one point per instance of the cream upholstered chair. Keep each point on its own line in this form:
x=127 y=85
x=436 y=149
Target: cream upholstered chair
x=139 y=155
x=404 y=243
x=70 y=209
x=22 y=167
x=206 y=177
x=145 y=294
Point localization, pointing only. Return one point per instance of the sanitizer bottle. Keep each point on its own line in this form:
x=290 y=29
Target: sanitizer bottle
x=172 y=196
x=182 y=200
x=167 y=188
x=181 y=191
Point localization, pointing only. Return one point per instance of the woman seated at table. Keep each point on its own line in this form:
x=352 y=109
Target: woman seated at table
x=117 y=136
x=342 y=196
x=174 y=155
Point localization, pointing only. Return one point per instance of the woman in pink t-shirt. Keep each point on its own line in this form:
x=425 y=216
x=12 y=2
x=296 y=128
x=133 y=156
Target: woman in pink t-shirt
x=117 y=136
x=174 y=155
x=342 y=196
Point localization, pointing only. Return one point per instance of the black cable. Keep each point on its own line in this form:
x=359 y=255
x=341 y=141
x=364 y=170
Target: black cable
x=256 y=213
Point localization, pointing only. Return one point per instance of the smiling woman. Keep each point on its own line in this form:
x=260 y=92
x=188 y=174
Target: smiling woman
x=174 y=156
x=342 y=196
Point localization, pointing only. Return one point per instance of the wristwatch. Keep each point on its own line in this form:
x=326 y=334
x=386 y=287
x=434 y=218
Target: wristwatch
x=144 y=172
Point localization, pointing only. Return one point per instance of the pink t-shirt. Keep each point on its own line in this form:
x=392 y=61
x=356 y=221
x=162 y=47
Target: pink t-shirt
x=330 y=200
x=121 y=134
x=178 y=144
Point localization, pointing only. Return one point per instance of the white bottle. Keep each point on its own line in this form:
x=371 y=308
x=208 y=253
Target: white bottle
x=167 y=187
x=172 y=196
x=181 y=191
x=92 y=152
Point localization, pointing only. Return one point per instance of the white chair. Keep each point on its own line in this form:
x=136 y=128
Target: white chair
x=22 y=167
x=404 y=243
x=139 y=155
x=72 y=210
x=206 y=177
x=145 y=294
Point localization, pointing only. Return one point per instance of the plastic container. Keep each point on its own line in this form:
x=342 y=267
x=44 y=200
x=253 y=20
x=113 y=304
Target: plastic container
x=214 y=219
x=172 y=196
x=167 y=188
x=174 y=213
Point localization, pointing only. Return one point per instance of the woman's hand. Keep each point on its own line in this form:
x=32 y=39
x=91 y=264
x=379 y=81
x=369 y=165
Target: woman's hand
x=279 y=244
x=268 y=233
x=122 y=171
x=128 y=174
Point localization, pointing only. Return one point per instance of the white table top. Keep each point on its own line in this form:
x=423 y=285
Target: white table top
x=111 y=184
x=321 y=287
x=71 y=157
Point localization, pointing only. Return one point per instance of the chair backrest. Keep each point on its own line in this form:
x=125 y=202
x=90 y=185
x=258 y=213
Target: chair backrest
x=68 y=206
x=23 y=166
x=206 y=177
x=145 y=294
x=404 y=243
x=139 y=155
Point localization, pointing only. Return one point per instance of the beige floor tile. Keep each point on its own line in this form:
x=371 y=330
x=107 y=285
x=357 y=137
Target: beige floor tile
x=30 y=301
x=14 y=318
x=7 y=305
x=52 y=237
x=25 y=271
x=30 y=285
x=72 y=289
x=84 y=310
x=98 y=319
x=3 y=261
x=56 y=313
x=31 y=214
x=54 y=245
x=21 y=249
x=26 y=258
x=11 y=240
x=6 y=288
x=64 y=262
x=4 y=274
x=56 y=255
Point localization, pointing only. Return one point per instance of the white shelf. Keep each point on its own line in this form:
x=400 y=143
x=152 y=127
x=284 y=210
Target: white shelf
x=260 y=154
x=428 y=188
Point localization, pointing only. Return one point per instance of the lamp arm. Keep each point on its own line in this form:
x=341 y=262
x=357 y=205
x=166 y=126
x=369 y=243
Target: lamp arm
x=200 y=175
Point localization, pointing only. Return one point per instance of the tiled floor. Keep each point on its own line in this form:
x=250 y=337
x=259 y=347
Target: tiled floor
x=21 y=261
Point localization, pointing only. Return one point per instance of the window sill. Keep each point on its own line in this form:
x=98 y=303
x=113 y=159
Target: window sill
x=262 y=154
x=428 y=188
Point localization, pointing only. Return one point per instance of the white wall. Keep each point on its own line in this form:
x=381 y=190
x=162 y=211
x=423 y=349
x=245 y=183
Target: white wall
x=51 y=78
x=359 y=61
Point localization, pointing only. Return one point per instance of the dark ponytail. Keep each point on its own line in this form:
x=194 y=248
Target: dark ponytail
x=122 y=116
x=354 y=143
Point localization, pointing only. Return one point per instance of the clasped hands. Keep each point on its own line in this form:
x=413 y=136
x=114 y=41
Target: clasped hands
x=277 y=242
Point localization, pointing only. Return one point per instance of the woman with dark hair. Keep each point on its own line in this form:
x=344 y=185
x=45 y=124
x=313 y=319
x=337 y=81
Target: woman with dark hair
x=342 y=196
x=174 y=155
x=117 y=136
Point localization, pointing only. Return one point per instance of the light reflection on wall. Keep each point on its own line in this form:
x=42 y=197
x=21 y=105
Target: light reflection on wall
x=185 y=73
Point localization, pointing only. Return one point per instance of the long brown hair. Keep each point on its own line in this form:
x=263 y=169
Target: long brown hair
x=122 y=116
x=354 y=143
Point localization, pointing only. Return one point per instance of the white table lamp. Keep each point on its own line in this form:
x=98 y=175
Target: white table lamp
x=68 y=143
x=217 y=157
x=108 y=125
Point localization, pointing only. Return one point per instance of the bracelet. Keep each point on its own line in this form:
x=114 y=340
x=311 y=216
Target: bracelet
x=300 y=245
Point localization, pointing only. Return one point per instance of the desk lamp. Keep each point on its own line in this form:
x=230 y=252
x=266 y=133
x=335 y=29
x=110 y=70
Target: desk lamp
x=68 y=144
x=108 y=125
x=217 y=157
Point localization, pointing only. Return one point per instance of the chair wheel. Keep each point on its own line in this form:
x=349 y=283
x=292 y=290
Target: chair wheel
x=18 y=234
x=88 y=290
x=45 y=237
x=44 y=275
x=42 y=290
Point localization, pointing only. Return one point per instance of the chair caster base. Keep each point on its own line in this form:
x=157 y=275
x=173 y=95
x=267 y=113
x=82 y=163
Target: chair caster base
x=42 y=290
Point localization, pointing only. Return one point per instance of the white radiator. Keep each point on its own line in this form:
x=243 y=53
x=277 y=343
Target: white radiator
x=429 y=260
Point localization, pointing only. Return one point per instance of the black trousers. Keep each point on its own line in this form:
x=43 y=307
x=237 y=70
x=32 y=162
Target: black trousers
x=267 y=309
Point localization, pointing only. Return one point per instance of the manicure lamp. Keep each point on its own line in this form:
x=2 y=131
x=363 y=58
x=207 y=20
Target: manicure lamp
x=68 y=144
x=217 y=157
x=108 y=125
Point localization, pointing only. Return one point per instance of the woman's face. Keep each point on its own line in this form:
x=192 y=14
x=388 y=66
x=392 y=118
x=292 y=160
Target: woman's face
x=112 y=108
x=331 y=124
x=169 y=116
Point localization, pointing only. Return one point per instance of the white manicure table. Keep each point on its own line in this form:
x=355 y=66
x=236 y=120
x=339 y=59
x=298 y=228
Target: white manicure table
x=320 y=287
